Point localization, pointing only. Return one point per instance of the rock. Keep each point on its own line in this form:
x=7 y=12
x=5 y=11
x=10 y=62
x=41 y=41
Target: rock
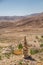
x=6 y=50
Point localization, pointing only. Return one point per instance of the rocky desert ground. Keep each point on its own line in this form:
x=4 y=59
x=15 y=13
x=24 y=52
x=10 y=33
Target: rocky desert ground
x=12 y=41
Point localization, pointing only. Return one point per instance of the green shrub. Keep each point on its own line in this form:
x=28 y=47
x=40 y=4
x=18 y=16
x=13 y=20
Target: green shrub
x=7 y=55
x=0 y=58
x=41 y=40
x=0 y=47
x=20 y=46
x=33 y=51
x=12 y=49
x=41 y=45
x=20 y=63
x=42 y=36
x=41 y=50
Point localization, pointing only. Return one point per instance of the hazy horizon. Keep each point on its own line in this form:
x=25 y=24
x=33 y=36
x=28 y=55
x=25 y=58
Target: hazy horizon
x=22 y=15
x=20 y=7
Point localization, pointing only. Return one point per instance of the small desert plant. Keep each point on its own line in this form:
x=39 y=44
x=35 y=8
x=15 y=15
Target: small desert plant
x=20 y=63
x=0 y=58
x=41 y=50
x=20 y=46
x=12 y=49
x=33 y=51
x=0 y=47
x=42 y=36
x=41 y=45
x=40 y=40
x=7 y=55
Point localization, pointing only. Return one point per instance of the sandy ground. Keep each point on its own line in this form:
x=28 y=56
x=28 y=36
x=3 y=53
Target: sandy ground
x=17 y=37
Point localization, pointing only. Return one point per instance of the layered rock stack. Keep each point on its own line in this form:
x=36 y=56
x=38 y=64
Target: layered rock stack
x=25 y=48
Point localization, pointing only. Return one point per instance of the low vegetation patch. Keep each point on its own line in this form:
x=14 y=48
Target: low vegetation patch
x=20 y=63
x=41 y=45
x=7 y=55
x=20 y=46
x=12 y=49
x=0 y=57
x=41 y=50
x=33 y=51
x=0 y=47
x=42 y=36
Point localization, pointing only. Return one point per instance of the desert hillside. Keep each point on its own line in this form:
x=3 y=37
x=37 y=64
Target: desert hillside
x=30 y=21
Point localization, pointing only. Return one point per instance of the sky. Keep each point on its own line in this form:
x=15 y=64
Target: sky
x=20 y=7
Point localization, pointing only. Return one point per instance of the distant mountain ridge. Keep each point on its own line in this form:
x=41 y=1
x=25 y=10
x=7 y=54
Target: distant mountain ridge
x=32 y=21
x=18 y=17
x=10 y=17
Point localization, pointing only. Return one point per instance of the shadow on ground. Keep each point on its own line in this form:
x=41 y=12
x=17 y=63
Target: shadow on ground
x=30 y=58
